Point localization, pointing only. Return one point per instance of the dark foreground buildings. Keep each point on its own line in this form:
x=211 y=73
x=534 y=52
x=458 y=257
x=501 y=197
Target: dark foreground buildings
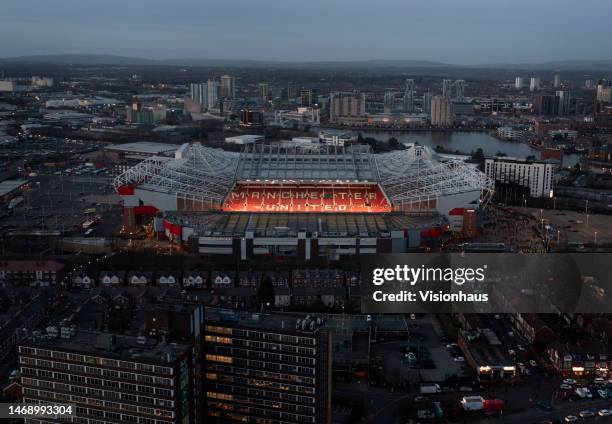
x=266 y=369
x=242 y=367
x=110 y=378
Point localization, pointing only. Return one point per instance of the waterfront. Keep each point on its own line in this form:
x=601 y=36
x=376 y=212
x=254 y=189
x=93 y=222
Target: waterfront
x=466 y=142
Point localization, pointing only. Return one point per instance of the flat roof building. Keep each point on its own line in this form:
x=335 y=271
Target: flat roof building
x=264 y=368
x=109 y=377
x=244 y=139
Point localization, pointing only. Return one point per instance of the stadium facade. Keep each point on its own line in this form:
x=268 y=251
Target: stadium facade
x=300 y=200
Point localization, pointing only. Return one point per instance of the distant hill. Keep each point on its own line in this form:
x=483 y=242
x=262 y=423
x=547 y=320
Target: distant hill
x=99 y=59
x=561 y=65
x=96 y=59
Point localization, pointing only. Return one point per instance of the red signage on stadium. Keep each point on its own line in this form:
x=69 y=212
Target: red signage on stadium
x=356 y=198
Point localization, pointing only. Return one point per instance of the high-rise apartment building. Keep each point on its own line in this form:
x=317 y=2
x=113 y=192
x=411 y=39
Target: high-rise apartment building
x=213 y=94
x=534 y=84
x=564 y=102
x=427 y=96
x=519 y=82
x=389 y=101
x=346 y=104
x=109 y=378
x=267 y=369
x=228 y=87
x=459 y=90
x=441 y=112
x=557 y=81
x=447 y=88
x=409 y=96
x=264 y=91
x=198 y=92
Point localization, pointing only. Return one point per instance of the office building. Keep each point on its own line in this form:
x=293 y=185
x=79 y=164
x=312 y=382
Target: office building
x=109 y=378
x=198 y=92
x=292 y=91
x=409 y=96
x=228 y=87
x=513 y=132
x=266 y=369
x=251 y=118
x=557 y=81
x=141 y=114
x=564 y=101
x=536 y=177
x=604 y=92
x=346 y=104
x=459 y=90
x=308 y=96
x=213 y=93
x=534 y=84
x=334 y=139
x=441 y=112
x=546 y=104
x=519 y=83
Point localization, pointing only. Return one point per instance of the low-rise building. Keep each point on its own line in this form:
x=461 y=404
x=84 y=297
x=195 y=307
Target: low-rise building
x=36 y=273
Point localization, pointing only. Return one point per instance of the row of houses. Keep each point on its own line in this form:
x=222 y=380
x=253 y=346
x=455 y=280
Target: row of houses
x=200 y=279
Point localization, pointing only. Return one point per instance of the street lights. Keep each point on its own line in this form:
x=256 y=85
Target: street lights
x=595 y=238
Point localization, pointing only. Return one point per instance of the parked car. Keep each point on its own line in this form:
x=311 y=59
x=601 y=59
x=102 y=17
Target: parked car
x=586 y=414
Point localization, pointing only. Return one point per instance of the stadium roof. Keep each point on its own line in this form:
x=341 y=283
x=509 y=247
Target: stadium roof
x=413 y=174
x=298 y=163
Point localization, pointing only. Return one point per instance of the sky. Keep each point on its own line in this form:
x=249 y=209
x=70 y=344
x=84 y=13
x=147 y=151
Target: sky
x=449 y=31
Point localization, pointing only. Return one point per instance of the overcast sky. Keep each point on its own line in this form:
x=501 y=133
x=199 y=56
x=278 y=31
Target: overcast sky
x=452 y=31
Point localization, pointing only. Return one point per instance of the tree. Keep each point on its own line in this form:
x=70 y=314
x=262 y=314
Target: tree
x=393 y=143
x=265 y=293
x=478 y=156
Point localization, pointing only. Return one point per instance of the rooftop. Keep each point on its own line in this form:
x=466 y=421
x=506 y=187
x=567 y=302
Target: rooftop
x=8 y=186
x=143 y=147
x=286 y=322
x=278 y=224
x=114 y=346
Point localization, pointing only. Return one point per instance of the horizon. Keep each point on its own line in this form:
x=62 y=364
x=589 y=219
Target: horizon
x=449 y=32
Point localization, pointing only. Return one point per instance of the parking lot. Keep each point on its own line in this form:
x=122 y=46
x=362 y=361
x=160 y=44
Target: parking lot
x=578 y=228
x=64 y=203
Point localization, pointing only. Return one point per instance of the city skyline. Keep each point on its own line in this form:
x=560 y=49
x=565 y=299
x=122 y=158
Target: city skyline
x=439 y=30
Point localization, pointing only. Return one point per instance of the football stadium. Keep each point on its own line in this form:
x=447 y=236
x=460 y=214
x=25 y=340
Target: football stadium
x=305 y=201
